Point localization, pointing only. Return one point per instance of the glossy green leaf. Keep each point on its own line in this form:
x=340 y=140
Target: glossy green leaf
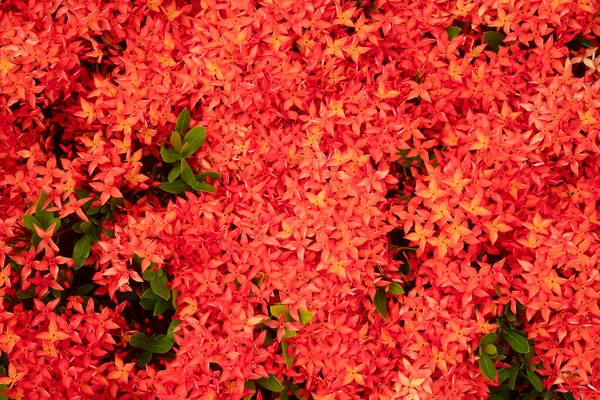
x=490 y=338
x=493 y=40
x=380 y=302
x=204 y=187
x=208 y=174
x=23 y=295
x=395 y=288
x=193 y=140
x=183 y=121
x=148 y=303
x=161 y=306
x=160 y=344
x=143 y=359
x=169 y=155
x=149 y=274
x=175 y=187
x=490 y=350
x=149 y=294
x=174 y=173
x=289 y=334
x=176 y=141
x=453 y=31
x=305 y=316
x=187 y=174
x=486 y=365
x=289 y=359
x=29 y=221
x=516 y=341
x=159 y=287
x=278 y=310
x=140 y=341
x=39 y=207
x=272 y=383
x=535 y=380
x=81 y=251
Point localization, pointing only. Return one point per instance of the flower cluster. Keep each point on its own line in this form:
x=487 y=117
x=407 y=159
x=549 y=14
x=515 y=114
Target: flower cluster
x=406 y=206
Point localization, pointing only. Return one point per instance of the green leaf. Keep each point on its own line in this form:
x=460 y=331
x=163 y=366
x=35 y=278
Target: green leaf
x=193 y=140
x=183 y=121
x=169 y=155
x=204 y=187
x=490 y=349
x=278 y=310
x=149 y=294
x=149 y=274
x=395 y=288
x=289 y=334
x=512 y=377
x=175 y=187
x=40 y=203
x=305 y=316
x=288 y=359
x=161 y=306
x=271 y=384
x=160 y=344
x=84 y=289
x=148 y=303
x=81 y=251
x=486 y=365
x=140 y=341
x=158 y=287
x=585 y=42
x=493 y=40
x=490 y=338
x=29 y=221
x=208 y=174
x=174 y=295
x=176 y=141
x=23 y=295
x=187 y=174
x=516 y=341
x=170 y=332
x=174 y=173
x=535 y=380
x=380 y=302
x=143 y=359
x=453 y=31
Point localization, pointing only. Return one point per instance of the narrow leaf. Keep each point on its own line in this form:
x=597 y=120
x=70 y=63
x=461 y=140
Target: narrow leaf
x=176 y=141
x=193 y=140
x=289 y=359
x=486 y=365
x=187 y=174
x=208 y=174
x=516 y=341
x=174 y=173
x=272 y=383
x=160 y=344
x=380 y=302
x=140 y=341
x=204 y=187
x=169 y=155
x=183 y=121
x=535 y=380
x=176 y=187
x=40 y=203
x=81 y=251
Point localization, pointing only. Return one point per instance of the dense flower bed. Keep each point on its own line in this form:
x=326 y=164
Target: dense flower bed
x=405 y=205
